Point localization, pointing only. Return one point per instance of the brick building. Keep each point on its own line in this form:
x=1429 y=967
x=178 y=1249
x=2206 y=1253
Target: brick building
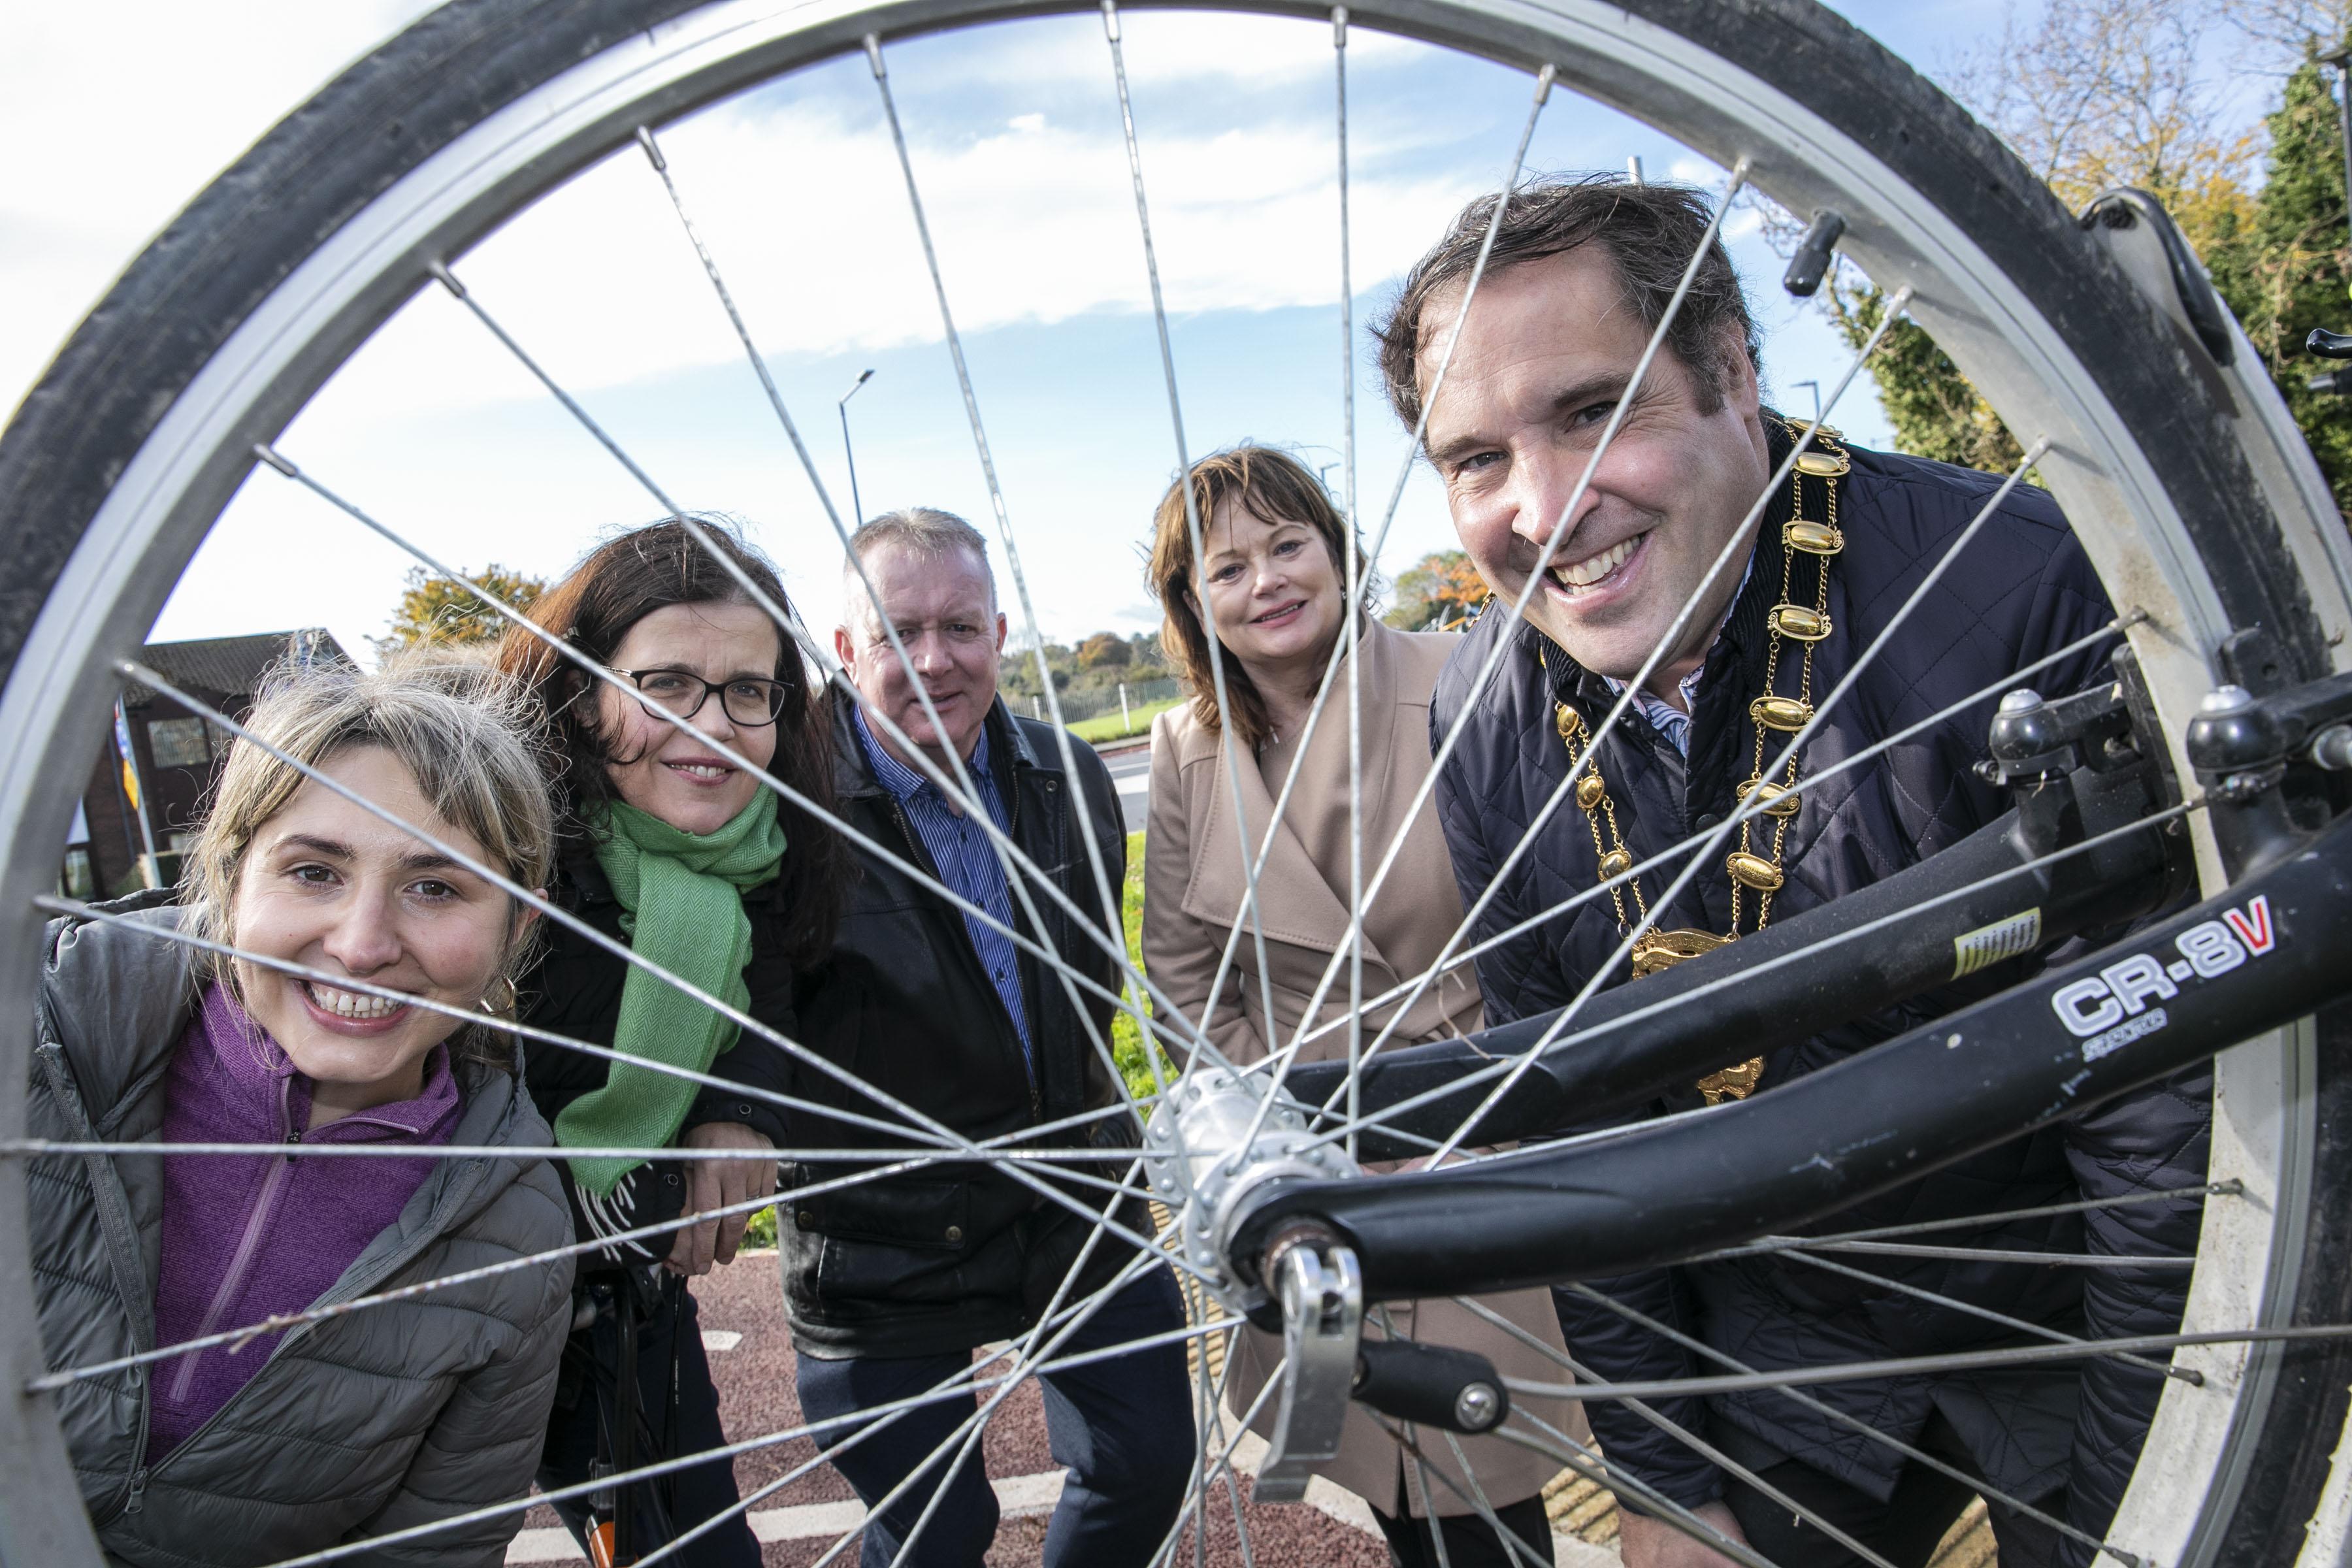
x=175 y=754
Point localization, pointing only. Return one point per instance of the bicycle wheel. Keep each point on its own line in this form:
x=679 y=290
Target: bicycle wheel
x=2188 y=487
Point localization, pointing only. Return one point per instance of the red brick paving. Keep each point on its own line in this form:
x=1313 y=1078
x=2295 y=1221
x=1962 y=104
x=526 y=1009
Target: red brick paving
x=755 y=1396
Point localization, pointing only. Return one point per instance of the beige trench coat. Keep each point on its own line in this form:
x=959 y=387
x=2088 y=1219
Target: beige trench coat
x=1194 y=894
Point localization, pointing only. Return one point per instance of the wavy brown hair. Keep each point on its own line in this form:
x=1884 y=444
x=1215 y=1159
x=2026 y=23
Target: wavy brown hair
x=1648 y=232
x=620 y=584
x=1272 y=486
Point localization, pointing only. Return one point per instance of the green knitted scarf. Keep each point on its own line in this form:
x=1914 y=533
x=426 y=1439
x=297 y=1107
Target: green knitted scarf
x=682 y=908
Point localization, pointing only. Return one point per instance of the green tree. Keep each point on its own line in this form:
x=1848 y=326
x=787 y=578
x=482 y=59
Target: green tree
x=1439 y=589
x=2286 y=268
x=444 y=612
x=2093 y=94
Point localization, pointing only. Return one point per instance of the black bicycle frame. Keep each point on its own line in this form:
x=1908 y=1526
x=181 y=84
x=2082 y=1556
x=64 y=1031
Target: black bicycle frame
x=1969 y=918
x=2270 y=950
x=1924 y=928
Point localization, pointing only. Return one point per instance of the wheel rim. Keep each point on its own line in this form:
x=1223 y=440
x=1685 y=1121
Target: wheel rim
x=197 y=454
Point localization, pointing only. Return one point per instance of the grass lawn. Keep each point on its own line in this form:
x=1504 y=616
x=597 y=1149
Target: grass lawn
x=1104 y=727
x=1126 y=1039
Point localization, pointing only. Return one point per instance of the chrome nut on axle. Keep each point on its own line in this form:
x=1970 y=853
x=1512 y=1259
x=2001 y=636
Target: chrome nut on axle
x=1212 y=1141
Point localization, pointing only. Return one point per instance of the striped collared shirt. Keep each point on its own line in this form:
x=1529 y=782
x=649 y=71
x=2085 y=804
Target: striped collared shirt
x=964 y=859
x=1674 y=723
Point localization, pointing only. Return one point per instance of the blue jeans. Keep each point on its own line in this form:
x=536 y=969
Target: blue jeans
x=1123 y=1426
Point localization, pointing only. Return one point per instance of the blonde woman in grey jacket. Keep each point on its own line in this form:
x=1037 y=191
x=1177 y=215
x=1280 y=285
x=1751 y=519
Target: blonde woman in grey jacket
x=396 y=1415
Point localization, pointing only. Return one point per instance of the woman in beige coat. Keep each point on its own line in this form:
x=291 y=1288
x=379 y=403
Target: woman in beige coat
x=1276 y=595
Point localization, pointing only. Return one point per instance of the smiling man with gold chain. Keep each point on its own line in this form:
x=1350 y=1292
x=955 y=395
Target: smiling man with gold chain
x=1580 y=274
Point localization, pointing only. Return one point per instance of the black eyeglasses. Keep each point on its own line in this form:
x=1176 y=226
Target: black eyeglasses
x=746 y=700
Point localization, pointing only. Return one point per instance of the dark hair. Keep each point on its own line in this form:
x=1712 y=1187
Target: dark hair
x=1274 y=486
x=592 y=609
x=1649 y=232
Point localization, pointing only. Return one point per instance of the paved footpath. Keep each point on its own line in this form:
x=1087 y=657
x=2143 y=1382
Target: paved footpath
x=751 y=1356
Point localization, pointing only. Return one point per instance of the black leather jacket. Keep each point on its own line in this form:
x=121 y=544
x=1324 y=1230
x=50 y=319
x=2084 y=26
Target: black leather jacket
x=952 y=1255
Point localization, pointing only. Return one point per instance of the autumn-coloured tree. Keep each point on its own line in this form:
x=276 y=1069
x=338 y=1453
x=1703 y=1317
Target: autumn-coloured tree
x=441 y=611
x=2092 y=95
x=1105 y=650
x=2100 y=93
x=1441 y=588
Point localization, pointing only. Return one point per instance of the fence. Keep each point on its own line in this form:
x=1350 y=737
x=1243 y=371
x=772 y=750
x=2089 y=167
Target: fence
x=1078 y=706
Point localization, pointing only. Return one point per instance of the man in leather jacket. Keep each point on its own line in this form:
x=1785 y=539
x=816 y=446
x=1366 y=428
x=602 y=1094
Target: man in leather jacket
x=1579 y=278
x=891 y=1283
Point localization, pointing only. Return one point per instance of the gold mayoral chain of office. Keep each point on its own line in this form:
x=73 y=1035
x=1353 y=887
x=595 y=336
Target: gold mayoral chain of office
x=1751 y=871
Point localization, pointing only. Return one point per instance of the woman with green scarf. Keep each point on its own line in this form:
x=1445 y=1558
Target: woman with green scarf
x=674 y=849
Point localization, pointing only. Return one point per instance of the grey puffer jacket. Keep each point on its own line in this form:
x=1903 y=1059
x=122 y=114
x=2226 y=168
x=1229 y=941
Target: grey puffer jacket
x=396 y=1415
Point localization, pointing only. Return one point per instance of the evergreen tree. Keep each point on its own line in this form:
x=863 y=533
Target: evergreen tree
x=1934 y=411
x=2284 y=269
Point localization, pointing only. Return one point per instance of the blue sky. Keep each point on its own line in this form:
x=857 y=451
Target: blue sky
x=1016 y=139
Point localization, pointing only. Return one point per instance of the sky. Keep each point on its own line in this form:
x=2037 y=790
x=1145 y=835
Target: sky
x=1015 y=140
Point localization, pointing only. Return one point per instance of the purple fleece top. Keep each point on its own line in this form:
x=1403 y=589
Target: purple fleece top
x=247 y=1236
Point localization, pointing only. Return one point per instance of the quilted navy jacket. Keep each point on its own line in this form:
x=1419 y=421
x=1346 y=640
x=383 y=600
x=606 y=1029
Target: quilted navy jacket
x=2020 y=589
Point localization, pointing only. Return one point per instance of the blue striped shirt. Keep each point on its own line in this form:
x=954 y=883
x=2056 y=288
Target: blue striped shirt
x=965 y=861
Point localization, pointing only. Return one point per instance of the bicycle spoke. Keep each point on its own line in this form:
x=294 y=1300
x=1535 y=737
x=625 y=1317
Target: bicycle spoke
x=1998 y=1255
x=1854 y=1422
x=1752 y=807
x=1552 y=540
x=71 y=908
x=1920 y=1292
x=1907 y=1366
x=1680 y=1433
x=848 y=831
x=278 y=1323
x=1354 y=585
x=1504 y=1065
x=1108 y=895
x=1553 y=1444
x=2231 y=1188
x=1195 y=525
x=964 y=790
x=1210 y=1473
x=1323 y=692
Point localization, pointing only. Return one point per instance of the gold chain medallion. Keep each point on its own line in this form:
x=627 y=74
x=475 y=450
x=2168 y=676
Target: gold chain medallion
x=1753 y=867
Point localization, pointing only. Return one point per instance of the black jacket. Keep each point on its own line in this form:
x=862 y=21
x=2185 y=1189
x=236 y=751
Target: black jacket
x=953 y=1256
x=2021 y=590
x=576 y=990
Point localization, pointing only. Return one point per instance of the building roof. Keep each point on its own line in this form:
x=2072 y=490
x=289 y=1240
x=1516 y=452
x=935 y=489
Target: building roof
x=226 y=667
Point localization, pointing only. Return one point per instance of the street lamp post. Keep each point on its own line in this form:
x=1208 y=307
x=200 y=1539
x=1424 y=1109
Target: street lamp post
x=856 y=511
x=1815 y=388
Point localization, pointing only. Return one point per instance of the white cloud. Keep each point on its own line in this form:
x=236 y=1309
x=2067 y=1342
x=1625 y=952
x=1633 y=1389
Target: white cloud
x=805 y=211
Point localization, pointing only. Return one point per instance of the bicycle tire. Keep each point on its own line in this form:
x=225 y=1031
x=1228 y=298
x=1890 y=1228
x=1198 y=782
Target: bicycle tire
x=141 y=431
